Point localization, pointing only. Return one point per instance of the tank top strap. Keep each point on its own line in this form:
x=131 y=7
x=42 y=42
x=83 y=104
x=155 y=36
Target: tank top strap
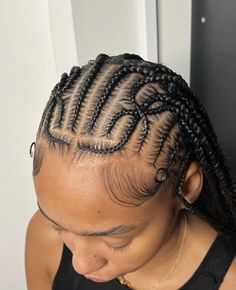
x=214 y=266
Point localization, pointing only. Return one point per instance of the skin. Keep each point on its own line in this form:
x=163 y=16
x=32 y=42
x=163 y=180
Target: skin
x=75 y=199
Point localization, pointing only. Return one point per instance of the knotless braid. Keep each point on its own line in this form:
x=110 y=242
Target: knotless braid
x=207 y=151
x=177 y=113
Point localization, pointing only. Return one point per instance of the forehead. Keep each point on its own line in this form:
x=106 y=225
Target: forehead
x=69 y=194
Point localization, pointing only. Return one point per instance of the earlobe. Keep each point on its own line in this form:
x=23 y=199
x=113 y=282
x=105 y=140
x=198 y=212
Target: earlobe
x=193 y=182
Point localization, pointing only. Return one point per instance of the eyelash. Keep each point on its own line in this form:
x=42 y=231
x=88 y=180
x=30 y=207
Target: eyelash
x=59 y=230
x=118 y=249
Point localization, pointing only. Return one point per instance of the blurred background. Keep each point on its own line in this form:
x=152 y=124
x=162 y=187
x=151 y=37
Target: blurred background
x=41 y=39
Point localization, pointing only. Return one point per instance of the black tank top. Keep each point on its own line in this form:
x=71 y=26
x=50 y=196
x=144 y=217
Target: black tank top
x=209 y=275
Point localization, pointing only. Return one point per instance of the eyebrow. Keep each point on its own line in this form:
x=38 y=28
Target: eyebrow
x=120 y=229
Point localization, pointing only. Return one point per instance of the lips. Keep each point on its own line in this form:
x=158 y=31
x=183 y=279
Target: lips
x=94 y=279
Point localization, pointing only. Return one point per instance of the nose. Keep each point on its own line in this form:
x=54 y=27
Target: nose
x=87 y=263
x=85 y=258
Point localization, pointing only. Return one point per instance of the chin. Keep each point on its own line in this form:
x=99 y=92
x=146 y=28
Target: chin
x=98 y=279
x=105 y=278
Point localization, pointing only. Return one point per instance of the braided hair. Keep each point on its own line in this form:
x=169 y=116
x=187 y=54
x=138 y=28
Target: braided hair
x=120 y=105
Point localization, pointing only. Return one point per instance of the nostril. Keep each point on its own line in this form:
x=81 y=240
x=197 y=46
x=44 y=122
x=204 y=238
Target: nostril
x=86 y=265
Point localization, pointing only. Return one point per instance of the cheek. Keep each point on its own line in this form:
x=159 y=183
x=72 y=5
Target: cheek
x=143 y=249
x=145 y=246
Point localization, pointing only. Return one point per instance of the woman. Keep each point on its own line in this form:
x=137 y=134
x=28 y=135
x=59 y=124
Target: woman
x=132 y=188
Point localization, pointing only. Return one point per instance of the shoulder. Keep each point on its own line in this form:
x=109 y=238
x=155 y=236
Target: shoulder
x=42 y=242
x=230 y=277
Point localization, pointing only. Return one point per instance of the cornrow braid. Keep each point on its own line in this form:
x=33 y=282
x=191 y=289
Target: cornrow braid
x=119 y=104
x=90 y=78
x=119 y=74
x=60 y=88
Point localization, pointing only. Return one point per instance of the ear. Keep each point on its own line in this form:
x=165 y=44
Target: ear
x=193 y=182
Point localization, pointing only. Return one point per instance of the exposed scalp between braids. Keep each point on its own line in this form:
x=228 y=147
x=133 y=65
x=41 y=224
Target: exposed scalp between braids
x=120 y=104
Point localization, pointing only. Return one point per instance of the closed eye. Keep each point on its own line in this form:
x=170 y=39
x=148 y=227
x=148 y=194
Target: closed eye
x=58 y=229
x=118 y=249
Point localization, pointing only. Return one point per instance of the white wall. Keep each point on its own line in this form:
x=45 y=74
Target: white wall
x=116 y=26
x=26 y=75
x=112 y=27
x=174 y=21
x=37 y=46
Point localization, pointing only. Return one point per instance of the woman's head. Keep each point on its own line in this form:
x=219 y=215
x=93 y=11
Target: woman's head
x=120 y=137
x=107 y=238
